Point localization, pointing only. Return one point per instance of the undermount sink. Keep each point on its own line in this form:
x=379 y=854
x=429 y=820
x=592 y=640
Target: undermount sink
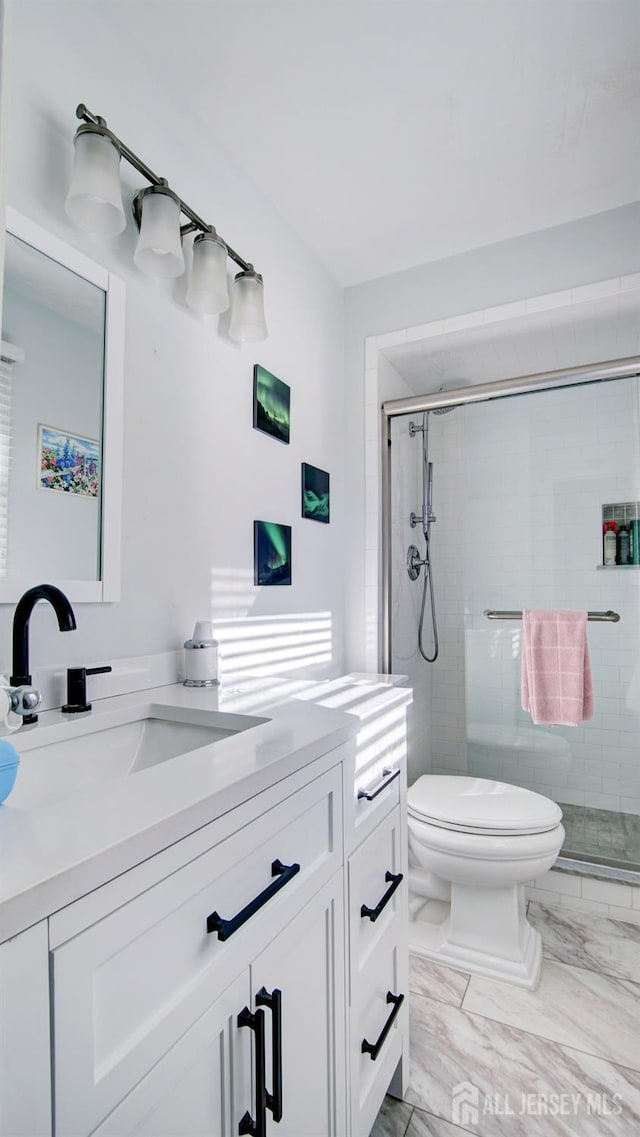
x=65 y=759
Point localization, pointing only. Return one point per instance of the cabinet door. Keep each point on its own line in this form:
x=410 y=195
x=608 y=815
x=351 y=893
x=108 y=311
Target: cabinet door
x=129 y=985
x=306 y=964
x=202 y=1086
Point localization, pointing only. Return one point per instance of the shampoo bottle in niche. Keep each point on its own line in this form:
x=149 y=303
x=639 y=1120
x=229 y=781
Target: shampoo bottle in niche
x=610 y=543
x=201 y=657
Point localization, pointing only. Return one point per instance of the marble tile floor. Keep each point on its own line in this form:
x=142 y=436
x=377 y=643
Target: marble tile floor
x=562 y=1061
x=602 y=833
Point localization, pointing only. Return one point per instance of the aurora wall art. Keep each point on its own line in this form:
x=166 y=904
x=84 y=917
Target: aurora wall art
x=315 y=493
x=271 y=404
x=271 y=553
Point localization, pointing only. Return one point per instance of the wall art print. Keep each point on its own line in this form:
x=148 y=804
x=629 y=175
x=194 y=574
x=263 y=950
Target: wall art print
x=315 y=493
x=68 y=463
x=271 y=404
x=271 y=553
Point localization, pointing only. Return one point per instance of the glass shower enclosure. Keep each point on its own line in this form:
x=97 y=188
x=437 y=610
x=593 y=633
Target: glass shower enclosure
x=521 y=488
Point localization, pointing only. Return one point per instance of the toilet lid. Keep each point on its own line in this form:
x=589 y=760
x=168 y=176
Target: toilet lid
x=477 y=805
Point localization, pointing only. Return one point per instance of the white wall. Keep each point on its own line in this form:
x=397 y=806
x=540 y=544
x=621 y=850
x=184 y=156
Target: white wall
x=196 y=474
x=594 y=248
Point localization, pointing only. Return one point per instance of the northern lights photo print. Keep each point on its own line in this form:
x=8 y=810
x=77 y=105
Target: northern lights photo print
x=271 y=404
x=315 y=493
x=271 y=553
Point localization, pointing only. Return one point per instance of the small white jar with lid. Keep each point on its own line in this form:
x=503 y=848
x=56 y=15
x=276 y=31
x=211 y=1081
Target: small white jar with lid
x=201 y=657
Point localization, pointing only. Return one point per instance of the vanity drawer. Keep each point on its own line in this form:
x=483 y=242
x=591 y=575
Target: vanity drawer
x=379 y=1030
x=126 y=987
x=377 y=790
x=377 y=890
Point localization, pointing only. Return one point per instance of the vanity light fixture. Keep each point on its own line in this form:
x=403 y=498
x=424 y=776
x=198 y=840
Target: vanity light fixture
x=94 y=203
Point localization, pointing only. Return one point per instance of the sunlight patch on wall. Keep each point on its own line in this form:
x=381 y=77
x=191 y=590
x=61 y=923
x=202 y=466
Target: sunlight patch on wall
x=273 y=645
x=233 y=592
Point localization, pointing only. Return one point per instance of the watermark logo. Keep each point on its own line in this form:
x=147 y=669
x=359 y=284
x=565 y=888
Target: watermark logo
x=469 y=1104
x=465 y=1101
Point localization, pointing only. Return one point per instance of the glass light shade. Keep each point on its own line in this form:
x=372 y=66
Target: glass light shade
x=159 y=248
x=208 y=289
x=247 y=323
x=94 y=201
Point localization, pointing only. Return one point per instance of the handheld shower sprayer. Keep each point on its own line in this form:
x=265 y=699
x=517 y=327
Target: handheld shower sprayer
x=425 y=518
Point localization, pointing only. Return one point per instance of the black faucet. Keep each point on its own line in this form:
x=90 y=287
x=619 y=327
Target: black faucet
x=22 y=615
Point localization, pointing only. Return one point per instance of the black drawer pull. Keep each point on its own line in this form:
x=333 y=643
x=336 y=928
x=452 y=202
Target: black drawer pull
x=226 y=928
x=373 y=913
x=273 y=1000
x=374 y=1048
x=383 y=785
x=257 y=1128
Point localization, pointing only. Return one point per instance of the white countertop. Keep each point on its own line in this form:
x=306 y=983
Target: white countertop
x=51 y=855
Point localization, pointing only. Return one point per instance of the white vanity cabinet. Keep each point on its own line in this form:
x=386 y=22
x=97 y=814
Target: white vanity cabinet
x=147 y=995
x=226 y=983
x=377 y=913
x=204 y=1084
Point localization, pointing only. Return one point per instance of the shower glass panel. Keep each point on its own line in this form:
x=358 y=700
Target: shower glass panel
x=518 y=489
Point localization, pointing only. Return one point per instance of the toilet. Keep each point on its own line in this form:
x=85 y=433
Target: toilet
x=473 y=845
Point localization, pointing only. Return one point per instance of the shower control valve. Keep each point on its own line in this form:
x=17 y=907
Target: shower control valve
x=414 y=562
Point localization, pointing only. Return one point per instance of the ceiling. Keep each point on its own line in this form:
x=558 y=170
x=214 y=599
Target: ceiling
x=390 y=133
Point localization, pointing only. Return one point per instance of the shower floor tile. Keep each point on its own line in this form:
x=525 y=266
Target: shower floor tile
x=601 y=833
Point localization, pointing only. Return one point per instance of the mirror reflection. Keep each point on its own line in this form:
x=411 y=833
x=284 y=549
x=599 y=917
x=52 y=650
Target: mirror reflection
x=51 y=419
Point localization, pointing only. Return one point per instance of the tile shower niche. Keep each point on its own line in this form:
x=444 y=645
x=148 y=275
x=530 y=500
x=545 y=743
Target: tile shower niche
x=623 y=519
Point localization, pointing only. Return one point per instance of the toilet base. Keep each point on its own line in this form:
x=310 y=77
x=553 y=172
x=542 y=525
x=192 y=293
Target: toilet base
x=494 y=938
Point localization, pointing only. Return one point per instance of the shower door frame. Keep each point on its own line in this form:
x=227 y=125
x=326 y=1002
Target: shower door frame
x=458 y=397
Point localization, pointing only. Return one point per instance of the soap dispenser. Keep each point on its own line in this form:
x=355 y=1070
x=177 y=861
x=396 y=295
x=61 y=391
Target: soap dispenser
x=201 y=657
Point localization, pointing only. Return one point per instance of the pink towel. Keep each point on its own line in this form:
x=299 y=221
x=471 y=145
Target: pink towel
x=555 y=673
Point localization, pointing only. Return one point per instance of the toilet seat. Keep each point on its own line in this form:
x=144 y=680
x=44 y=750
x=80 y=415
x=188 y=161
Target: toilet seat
x=479 y=805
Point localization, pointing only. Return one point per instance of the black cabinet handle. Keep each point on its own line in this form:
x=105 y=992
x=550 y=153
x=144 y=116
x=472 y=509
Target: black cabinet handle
x=373 y=913
x=273 y=1000
x=374 y=1048
x=226 y=928
x=383 y=785
x=257 y=1128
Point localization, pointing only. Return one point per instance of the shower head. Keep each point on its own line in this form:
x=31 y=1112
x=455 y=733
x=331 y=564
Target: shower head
x=442 y=410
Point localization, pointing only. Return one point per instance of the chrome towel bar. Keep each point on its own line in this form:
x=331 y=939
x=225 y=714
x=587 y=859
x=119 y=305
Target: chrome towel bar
x=601 y=617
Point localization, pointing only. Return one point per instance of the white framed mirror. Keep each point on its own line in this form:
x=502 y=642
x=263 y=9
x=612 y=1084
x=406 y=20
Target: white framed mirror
x=61 y=405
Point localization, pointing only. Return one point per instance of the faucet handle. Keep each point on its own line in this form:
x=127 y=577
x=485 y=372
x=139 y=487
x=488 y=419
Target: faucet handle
x=23 y=699
x=77 y=688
